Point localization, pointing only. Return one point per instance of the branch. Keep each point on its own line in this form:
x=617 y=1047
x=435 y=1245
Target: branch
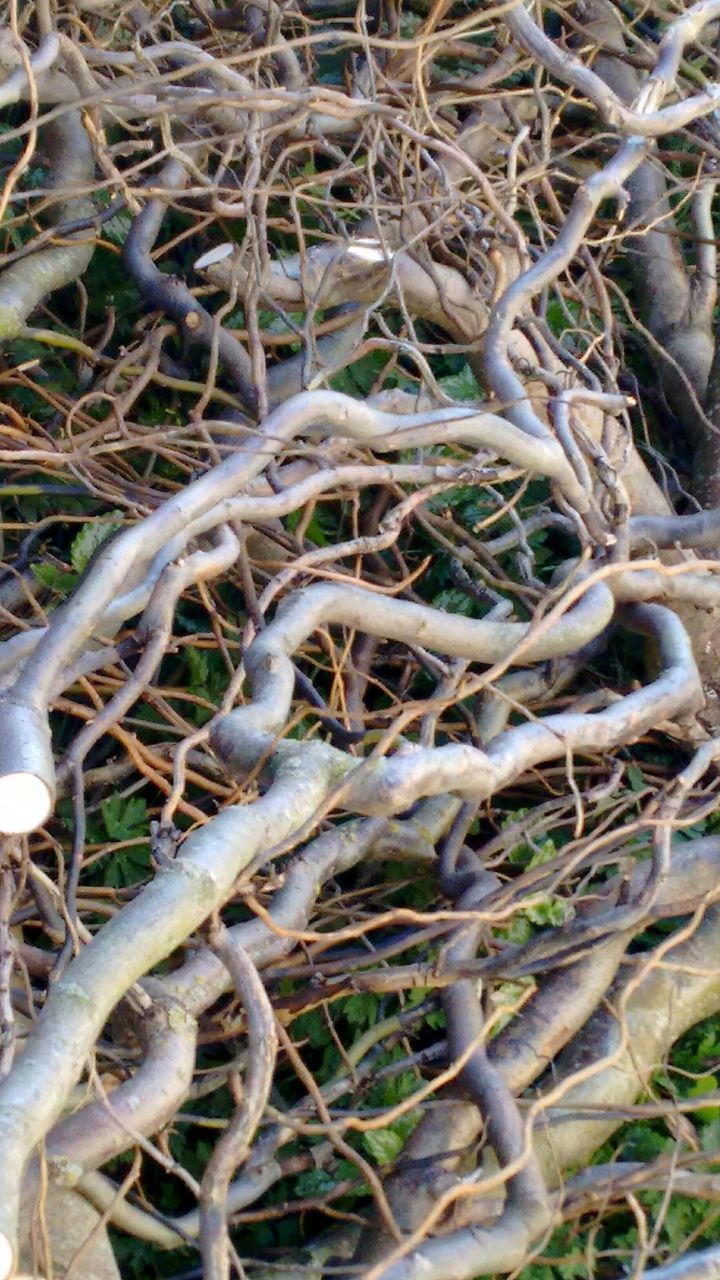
x=26 y=284
x=645 y=119
x=163 y=915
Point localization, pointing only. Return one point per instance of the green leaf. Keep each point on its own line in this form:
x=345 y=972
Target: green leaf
x=636 y=782
x=560 y=317
x=437 y=1020
x=61 y=581
x=361 y=1010
x=534 y=857
x=116 y=228
x=519 y=929
x=643 y=1144
x=462 y=385
x=314 y=1182
x=706 y=1084
x=507 y=995
x=360 y=377
x=393 y=1090
x=710 y=1136
x=199 y=665
x=553 y=912
x=313 y=1027
x=127 y=867
x=709 y=1044
x=453 y=600
x=384 y=1145
x=314 y=531
x=92 y=536
x=124 y=818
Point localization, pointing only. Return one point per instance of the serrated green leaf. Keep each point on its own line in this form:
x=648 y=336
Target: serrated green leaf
x=636 y=782
x=314 y=1182
x=312 y=1027
x=553 y=912
x=361 y=1010
x=544 y=853
x=462 y=385
x=453 y=600
x=116 y=228
x=360 y=377
x=519 y=929
x=698 y=1088
x=437 y=1020
x=507 y=995
x=127 y=867
x=124 y=818
x=642 y=1143
x=61 y=581
x=314 y=531
x=384 y=1145
x=92 y=536
x=710 y=1136
x=199 y=665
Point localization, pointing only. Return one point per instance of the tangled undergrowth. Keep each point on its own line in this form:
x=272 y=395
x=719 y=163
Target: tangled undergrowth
x=360 y=635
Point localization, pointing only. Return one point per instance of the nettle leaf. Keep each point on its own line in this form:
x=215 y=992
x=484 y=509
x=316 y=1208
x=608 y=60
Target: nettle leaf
x=127 y=867
x=553 y=912
x=518 y=930
x=116 y=228
x=528 y=856
x=361 y=1010
x=124 y=818
x=462 y=385
x=544 y=853
x=61 y=581
x=319 y=530
x=92 y=536
x=708 y=1045
x=199 y=665
x=634 y=776
x=360 y=377
x=643 y=1144
x=454 y=600
x=314 y=1182
x=710 y=1136
x=384 y=1145
x=436 y=1020
x=395 y=1089
x=571 y=1270
x=682 y=1217
x=506 y=997
x=312 y=1027
x=706 y=1084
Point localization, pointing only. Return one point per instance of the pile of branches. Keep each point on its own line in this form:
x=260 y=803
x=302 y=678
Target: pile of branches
x=360 y=630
